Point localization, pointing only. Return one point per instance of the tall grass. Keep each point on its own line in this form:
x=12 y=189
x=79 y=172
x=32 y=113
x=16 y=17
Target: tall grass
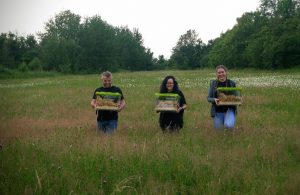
x=49 y=143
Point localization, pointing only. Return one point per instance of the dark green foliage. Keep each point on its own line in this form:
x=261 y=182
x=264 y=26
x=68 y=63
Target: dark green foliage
x=71 y=46
x=23 y=67
x=91 y=46
x=96 y=40
x=267 y=38
x=59 y=45
x=132 y=55
x=16 y=49
x=160 y=63
x=35 y=64
x=188 y=51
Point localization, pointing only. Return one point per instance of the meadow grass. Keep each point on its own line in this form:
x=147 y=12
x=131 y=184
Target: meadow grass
x=49 y=143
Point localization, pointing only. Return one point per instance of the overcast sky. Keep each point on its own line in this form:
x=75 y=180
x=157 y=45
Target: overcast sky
x=161 y=22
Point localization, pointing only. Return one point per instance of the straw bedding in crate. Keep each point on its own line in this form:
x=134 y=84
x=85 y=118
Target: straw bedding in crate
x=167 y=102
x=230 y=96
x=107 y=100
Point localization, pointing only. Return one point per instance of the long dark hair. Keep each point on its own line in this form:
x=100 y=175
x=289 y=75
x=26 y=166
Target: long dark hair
x=163 y=87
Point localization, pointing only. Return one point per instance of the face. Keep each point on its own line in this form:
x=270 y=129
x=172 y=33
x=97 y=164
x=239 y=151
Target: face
x=170 y=84
x=106 y=81
x=221 y=74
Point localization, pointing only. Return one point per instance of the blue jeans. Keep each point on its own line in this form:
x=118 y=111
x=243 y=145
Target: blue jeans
x=224 y=119
x=107 y=126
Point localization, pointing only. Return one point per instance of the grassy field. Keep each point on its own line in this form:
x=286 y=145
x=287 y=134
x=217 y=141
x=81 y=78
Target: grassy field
x=49 y=143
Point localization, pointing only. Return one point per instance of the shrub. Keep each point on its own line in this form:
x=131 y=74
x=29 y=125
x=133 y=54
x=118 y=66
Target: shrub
x=35 y=64
x=23 y=67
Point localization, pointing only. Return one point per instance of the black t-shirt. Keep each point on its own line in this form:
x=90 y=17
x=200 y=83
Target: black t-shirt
x=182 y=99
x=222 y=108
x=173 y=119
x=105 y=115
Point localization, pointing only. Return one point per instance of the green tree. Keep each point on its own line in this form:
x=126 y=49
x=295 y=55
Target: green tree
x=35 y=64
x=64 y=25
x=99 y=50
x=16 y=49
x=188 y=51
x=267 y=38
x=59 y=44
x=31 y=47
x=132 y=54
x=160 y=63
x=9 y=50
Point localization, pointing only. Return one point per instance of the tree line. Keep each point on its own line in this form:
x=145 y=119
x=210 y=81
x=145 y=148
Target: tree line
x=267 y=38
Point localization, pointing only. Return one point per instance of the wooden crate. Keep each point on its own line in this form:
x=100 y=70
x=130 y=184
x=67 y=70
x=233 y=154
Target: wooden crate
x=229 y=96
x=107 y=101
x=166 y=102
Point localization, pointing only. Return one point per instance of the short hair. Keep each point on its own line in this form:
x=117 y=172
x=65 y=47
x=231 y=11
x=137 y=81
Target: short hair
x=106 y=74
x=223 y=67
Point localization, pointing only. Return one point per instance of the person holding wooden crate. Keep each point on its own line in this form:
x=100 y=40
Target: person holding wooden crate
x=108 y=100
x=224 y=106
x=171 y=114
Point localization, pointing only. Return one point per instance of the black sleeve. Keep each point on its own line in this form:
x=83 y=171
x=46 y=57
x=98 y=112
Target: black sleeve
x=182 y=98
x=210 y=96
x=94 y=95
x=233 y=84
x=120 y=91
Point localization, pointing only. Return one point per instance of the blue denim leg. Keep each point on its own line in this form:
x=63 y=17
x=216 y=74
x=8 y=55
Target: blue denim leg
x=219 y=120
x=100 y=125
x=112 y=126
x=107 y=126
x=229 y=120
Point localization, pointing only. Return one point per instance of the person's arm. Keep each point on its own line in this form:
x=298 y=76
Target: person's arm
x=233 y=84
x=122 y=102
x=122 y=105
x=93 y=103
x=210 y=97
x=182 y=102
x=183 y=107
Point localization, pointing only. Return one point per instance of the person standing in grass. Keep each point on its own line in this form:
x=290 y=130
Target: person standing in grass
x=223 y=116
x=172 y=121
x=107 y=120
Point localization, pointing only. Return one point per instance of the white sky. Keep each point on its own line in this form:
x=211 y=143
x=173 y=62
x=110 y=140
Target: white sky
x=161 y=22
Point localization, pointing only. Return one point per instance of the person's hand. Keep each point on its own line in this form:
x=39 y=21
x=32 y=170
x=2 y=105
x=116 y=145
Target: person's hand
x=120 y=106
x=179 y=109
x=93 y=104
x=217 y=101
